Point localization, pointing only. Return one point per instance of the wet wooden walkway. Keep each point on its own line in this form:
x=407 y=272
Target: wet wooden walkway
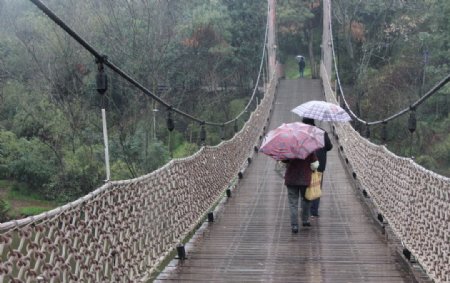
x=251 y=239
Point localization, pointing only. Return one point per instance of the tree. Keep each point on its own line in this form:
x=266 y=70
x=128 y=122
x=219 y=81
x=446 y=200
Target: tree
x=394 y=52
x=203 y=56
x=299 y=25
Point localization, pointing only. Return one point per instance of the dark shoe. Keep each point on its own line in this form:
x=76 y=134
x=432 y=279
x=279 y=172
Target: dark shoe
x=315 y=215
x=294 y=229
x=306 y=224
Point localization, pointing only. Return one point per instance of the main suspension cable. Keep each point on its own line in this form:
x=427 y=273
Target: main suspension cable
x=413 y=106
x=104 y=59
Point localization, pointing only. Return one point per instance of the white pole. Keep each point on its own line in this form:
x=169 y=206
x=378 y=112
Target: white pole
x=105 y=140
x=154 y=124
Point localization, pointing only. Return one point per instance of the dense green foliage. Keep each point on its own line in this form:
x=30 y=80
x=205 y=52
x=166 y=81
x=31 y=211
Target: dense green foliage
x=391 y=53
x=299 y=32
x=202 y=57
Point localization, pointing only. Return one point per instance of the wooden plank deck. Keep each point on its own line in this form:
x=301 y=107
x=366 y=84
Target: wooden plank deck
x=251 y=239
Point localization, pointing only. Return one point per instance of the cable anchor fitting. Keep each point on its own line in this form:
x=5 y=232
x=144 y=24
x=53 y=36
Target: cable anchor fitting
x=101 y=78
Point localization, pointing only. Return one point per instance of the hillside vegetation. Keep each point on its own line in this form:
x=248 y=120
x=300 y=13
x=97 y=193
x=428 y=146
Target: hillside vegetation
x=203 y=58
x=390 y=53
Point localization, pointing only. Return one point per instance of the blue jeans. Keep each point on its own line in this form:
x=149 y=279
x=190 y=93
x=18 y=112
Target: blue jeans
x=294 y=193
x=315 y=207
x=315 y=203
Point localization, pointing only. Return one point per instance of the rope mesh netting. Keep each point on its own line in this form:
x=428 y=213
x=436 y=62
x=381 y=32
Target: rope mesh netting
x=414 y=201
x=122 y=231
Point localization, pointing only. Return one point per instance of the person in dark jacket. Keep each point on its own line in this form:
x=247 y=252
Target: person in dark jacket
x=297 y=178
x=301 y=66
x=322 y=157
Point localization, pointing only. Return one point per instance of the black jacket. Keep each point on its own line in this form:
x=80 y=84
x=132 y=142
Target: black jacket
x=321 y=153
x=301 y=64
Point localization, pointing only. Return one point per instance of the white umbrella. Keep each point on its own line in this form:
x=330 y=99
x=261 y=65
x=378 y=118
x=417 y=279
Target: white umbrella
x=323 y=111
x=298 y=57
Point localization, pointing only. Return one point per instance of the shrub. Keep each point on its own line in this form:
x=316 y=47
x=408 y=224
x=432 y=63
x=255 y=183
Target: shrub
x=186 y=149
x=3 y=211
x=34 y=165
x=427 y=162
x=83 y=171
x=32 y=210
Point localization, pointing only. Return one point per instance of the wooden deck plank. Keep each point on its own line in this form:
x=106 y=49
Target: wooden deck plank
x=251 y=241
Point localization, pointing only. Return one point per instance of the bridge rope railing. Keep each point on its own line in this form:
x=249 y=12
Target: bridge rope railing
x=123 y=231
x=414 y=201
x=104 y=60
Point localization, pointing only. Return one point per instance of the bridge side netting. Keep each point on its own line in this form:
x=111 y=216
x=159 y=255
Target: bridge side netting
x=414 y=200
x=122 y=231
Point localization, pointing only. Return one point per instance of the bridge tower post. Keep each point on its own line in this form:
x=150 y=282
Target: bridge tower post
x=271 y=37
x=326 y=37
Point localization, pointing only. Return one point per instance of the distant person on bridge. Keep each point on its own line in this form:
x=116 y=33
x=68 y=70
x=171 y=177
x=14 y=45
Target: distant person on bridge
x=297 y=178
x=322 y=157
x=301 y=66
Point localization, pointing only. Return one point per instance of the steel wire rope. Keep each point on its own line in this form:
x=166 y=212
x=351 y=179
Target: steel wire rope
x=56 y=212
x=413 y=106
x=257 y=79
x=104 y=59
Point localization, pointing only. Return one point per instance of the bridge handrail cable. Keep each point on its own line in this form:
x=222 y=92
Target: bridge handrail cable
x=413 y=106
x=122 y=231
x=125 y=229
x=413 y=201
x=104 y=59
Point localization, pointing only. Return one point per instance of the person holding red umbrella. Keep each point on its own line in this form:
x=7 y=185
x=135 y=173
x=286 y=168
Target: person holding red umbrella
x=297 y=178
x=322 y=111
x=295 y=144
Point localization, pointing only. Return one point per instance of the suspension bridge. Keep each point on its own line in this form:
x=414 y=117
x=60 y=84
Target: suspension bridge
x=251 y=241
x=221 y=214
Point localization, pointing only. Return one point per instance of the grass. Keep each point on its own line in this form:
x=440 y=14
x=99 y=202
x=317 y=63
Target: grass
x=291 y=69
x=32 y=210
x=5 y=183
x=19 y=191
x=21 y=201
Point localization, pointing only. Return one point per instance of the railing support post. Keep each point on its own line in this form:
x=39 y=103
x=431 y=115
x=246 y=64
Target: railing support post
x=181 y=252
x=210 y=217
x=105 y=140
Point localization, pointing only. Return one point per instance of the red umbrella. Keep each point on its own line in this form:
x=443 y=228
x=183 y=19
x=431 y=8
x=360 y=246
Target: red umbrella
x=293 y=140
